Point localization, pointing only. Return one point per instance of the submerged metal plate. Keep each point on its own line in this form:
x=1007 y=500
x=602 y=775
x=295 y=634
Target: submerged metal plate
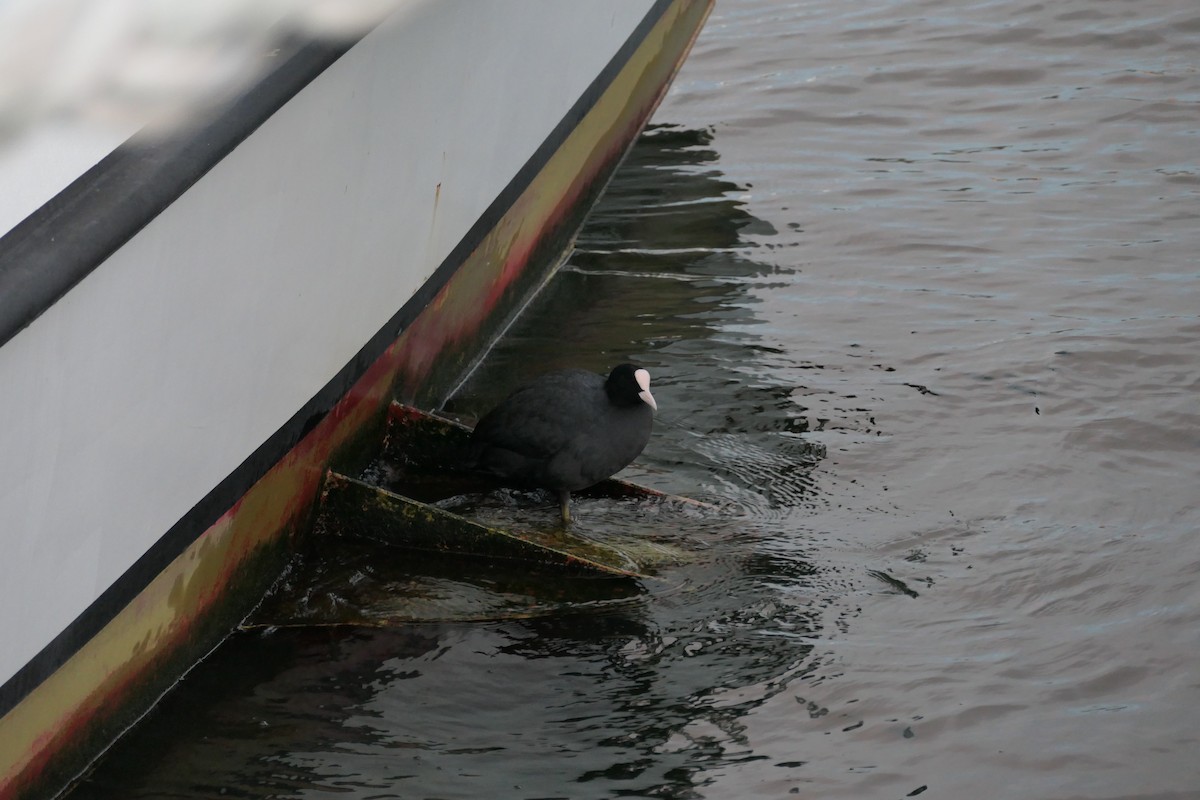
x=465 y=550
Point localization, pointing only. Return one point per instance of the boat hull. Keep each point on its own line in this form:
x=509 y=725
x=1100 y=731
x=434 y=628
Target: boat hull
x=129 y=638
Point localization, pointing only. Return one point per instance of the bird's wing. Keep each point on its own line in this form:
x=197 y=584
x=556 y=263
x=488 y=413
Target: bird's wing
x=538 y=440
x=526 y=422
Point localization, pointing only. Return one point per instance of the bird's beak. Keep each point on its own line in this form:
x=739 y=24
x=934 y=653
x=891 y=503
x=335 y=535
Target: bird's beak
x=643 y=381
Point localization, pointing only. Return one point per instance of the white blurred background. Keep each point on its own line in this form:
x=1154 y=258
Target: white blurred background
x=79 y=77
x=113 y=62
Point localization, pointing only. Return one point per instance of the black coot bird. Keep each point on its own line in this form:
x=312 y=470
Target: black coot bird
x=566 y=430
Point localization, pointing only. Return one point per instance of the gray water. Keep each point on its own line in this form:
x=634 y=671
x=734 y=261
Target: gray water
x=918 y=286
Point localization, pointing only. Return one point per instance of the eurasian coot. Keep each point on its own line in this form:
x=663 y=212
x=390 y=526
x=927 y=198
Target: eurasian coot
x=566 y=430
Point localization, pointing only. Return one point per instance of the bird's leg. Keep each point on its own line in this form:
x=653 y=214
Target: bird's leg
x=564 y=505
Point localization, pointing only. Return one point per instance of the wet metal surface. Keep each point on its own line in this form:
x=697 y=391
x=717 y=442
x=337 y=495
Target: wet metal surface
x=380 y=557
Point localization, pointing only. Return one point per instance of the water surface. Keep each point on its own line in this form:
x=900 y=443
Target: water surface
x=918 y=286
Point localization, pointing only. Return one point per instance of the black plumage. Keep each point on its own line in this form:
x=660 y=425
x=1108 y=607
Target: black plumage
x=566 y=430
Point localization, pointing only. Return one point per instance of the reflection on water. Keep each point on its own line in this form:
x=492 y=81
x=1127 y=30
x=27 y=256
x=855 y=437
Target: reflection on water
x=663 y=275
